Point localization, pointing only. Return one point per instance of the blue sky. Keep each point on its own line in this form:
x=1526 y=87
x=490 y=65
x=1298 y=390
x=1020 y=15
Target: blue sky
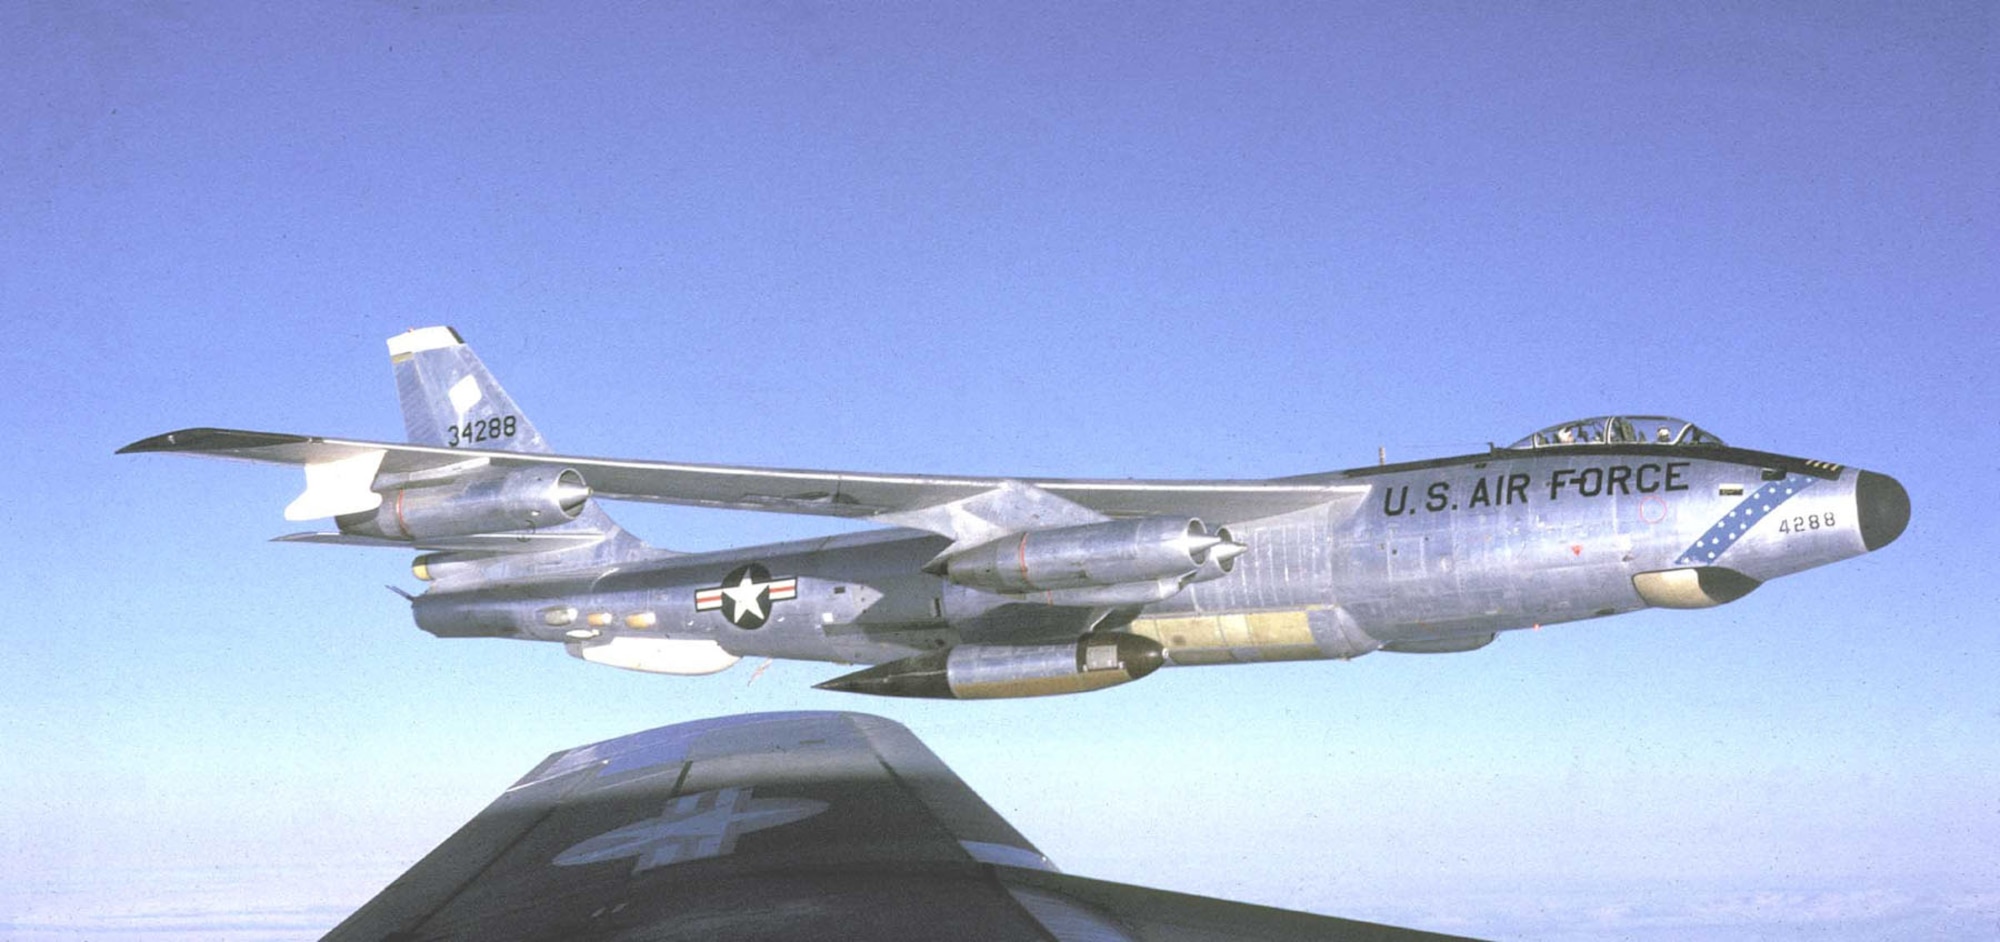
x=1157 y=241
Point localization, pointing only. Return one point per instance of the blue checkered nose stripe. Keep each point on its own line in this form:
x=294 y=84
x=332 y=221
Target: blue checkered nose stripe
x=1741 y=518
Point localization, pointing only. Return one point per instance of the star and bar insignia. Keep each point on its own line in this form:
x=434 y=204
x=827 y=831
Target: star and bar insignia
x=691 y=827
x=746 y=594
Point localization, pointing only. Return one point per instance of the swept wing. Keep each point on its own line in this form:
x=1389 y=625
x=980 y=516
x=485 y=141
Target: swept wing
x=776 y=827
x=826 y=493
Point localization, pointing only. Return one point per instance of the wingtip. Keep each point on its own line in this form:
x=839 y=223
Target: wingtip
x=210 y=440
x=166 y=441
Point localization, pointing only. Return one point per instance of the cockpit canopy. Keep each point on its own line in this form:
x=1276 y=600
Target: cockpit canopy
x=1620 y=430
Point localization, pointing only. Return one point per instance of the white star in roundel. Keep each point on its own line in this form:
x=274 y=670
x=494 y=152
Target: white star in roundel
x=748 y=596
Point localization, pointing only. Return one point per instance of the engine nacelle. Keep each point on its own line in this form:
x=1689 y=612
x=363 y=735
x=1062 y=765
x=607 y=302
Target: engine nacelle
x=994 y=671
x=485 y=503
x=1699 y=587
x=1146 y=549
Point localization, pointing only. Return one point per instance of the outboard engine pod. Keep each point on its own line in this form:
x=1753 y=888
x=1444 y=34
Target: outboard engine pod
x=528 y=499
x=1096 y=554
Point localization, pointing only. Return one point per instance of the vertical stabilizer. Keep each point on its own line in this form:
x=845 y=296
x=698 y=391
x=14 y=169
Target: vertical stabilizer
x=450 y=399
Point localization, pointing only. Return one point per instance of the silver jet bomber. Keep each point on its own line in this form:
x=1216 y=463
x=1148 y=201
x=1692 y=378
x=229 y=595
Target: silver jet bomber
x=998 y=587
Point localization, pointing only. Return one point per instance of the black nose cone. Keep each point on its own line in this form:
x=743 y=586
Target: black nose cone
x=1884 y=508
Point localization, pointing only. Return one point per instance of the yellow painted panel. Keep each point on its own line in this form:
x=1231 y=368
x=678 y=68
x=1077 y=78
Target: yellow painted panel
x=1222 y=639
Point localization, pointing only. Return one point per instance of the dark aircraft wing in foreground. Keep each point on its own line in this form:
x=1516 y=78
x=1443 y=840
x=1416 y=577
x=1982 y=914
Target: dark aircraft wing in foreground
x=773 y=827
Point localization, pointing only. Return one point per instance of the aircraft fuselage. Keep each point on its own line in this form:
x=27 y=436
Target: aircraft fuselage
x=1439 y=556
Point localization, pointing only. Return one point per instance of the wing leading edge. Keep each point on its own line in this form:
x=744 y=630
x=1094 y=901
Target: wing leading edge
x=775 y=826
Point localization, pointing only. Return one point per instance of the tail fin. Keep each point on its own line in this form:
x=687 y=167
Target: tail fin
x=449 y=398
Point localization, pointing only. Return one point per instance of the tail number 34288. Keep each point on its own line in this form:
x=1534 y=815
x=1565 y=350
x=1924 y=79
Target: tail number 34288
x=482 y=430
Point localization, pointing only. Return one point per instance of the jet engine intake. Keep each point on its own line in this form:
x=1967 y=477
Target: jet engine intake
x=995 y=671
x=1697 y=587
x=1145 y=549
x=484 y=503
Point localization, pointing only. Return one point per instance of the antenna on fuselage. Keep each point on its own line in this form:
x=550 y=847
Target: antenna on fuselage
x=1381 y=454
